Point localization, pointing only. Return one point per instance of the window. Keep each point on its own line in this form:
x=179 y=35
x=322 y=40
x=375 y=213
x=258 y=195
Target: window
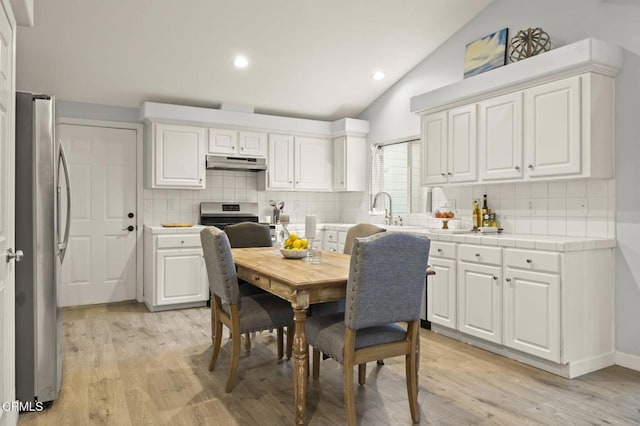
x=396 y=170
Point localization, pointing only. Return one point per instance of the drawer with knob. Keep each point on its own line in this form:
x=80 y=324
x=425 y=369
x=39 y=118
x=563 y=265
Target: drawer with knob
x=532 y=260
x=480 y=254
x=178 y=241
x=440 y=249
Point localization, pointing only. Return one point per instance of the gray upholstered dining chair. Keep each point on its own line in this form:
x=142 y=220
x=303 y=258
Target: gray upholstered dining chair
x=356 y=231
x=241 y=314
x=386 y=279
x=252 y=234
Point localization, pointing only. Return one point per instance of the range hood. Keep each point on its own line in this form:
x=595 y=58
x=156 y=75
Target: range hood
x=220 y=162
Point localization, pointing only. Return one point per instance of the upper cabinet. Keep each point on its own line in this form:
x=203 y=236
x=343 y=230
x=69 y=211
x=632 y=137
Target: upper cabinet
x=349 y=163
x=500 y=137
x=177 y=157
x=549 y=117
x=299 y=163
x=449 y=146
x=234 y=142
x=300 y=153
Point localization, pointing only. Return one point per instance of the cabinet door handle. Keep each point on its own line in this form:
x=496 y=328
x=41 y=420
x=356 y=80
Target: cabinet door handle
x=242 y=148
x=495 y=278
x=439 y=250
x=529 y=261
x=478 y=255
x=443 y=174
x=530 y=166
x=508 y=280
x=297 y=182
x=233 y=147
x=256 y=278
x=450 y=174
x=517 y=167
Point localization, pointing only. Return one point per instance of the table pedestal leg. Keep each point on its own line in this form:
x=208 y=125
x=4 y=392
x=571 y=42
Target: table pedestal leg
x=300 y=357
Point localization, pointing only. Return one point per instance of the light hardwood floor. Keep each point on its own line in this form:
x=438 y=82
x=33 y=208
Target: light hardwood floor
x=126 y=366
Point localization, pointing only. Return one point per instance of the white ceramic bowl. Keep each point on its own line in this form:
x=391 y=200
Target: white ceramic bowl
x=293 y=254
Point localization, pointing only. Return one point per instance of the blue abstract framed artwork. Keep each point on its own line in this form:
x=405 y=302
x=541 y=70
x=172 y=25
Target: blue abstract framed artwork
x=486 y=53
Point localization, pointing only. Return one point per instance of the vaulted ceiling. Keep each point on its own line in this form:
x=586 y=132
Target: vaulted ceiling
x=307 y=58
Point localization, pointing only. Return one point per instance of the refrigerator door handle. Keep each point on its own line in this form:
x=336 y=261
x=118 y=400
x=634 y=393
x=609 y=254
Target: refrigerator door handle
x=62 y=247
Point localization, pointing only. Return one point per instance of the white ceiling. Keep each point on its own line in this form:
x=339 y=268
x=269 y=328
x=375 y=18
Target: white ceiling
x=307 y=58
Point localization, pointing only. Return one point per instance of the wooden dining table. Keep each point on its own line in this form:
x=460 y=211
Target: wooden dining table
x=301 y=283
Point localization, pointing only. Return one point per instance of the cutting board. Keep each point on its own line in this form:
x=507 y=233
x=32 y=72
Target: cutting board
x=177 y=225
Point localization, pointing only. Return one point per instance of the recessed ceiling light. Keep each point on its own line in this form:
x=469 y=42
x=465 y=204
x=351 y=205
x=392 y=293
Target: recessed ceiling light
x=378 y=75
x=240 y=61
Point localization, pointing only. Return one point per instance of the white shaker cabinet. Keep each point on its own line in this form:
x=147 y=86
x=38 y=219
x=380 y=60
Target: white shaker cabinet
x=480 y=292
x=532 y=313
x=175 y=274
x=299 y=163
x=553 y=132
x=500 y=137
x=177 y=157
x=233 y=142
x=449 y=146
x=349 y=163
x=312 y=165
x=442 y=293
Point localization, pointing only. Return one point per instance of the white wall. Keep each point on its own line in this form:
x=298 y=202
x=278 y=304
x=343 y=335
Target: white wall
x=615 y=21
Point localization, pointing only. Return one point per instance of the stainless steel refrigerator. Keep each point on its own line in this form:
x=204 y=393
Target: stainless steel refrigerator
x=42 y=233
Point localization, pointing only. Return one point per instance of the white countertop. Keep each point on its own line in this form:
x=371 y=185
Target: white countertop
x=157 y=229
x=526 y=241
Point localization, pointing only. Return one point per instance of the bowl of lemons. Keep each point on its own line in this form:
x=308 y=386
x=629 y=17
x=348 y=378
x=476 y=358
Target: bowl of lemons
x=294 y=247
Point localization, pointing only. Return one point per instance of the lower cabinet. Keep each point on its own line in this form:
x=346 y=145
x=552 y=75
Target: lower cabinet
x=442 y=294
x=175 y=275
x=532 y=313
x=553 y=310
x=480 y=301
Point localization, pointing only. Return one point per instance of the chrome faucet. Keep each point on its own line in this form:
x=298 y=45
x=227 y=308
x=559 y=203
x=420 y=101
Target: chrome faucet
x=388 y=214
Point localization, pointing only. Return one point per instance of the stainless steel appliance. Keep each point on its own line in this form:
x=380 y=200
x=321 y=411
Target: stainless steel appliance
x=42 y=199
x=223 y=214
x=220 y=162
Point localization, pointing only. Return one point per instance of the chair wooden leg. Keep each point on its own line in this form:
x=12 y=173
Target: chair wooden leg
x=349 y=395
x=280 y=343
x=213 y=321
x=217 y=341
x=235 y=345
x=247 y=342
x=289 y=342
x=362 y=373
x=412 y=374
x=316 y=363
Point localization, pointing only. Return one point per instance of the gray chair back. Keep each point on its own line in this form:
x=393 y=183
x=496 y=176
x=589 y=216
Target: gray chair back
x=386 y=279
x=358 y=231
x=248 y=234
x=223 y=281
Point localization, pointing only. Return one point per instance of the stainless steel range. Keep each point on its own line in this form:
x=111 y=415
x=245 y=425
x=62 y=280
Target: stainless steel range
x=223 y=214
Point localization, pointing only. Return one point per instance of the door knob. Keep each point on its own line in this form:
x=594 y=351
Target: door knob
x=128 y=228
x=130 y=215
x=17 y=255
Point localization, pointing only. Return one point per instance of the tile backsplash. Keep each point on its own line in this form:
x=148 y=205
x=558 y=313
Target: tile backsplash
x=570 y=207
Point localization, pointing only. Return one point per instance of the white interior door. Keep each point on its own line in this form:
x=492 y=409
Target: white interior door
x=101 y=258
x=7 y=222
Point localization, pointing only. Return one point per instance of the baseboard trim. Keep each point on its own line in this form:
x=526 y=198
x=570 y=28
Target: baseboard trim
x=569 y=370
x=628 y=360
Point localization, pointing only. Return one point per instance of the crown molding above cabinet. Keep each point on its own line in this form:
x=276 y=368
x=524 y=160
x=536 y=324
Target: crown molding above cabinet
x=181 y=114
x=588 y=55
